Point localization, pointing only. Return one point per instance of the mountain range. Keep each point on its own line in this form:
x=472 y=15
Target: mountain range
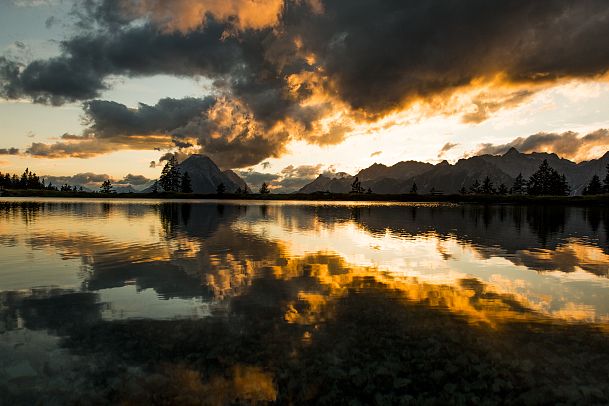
x=450 y=178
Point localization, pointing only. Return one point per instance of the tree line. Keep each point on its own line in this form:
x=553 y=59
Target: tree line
x=595 y=187
x=30 y=181
x=546 y=181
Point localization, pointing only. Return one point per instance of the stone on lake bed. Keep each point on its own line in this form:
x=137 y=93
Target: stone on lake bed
x=19 y=370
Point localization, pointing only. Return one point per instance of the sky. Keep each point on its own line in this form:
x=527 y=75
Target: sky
x=283 y=90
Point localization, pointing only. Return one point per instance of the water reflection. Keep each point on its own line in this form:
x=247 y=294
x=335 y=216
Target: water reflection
x=224 y=302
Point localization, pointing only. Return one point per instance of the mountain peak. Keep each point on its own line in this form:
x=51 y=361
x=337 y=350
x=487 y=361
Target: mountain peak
x=511 y=152
x=195 y=157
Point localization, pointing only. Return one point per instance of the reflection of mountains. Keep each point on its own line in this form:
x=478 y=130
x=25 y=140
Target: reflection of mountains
x=200 y=252
x=543 y=238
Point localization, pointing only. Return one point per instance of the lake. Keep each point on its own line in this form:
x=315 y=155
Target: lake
x=216 y=302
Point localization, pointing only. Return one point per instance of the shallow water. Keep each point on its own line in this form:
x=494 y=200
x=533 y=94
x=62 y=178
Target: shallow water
x=216 y=302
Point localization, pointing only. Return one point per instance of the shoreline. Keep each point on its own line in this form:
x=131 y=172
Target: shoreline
x=596 y=200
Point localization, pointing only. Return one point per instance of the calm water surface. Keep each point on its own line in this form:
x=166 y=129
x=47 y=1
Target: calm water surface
x=203 y=302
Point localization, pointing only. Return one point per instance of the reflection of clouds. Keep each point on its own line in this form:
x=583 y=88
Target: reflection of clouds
x=574 y=254
x=217 y=250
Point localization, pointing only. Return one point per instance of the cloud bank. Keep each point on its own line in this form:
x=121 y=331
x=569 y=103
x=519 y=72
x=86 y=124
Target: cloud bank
x=288 y=180
x=94 y=180
x=285 y=70
x=567 y=145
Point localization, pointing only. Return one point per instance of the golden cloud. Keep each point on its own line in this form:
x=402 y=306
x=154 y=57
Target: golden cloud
x=186 y=15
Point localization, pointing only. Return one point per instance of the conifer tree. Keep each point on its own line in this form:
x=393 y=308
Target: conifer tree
x=475 y=187
x=606 y=181
x=185 y=183
x=356 y=186
x=519 y=186
x=547 y=181
x=414 y=189
x=264 y=189
x=106 y=187
x=170 y=176
x=487 y=186
x=594 y=187
x=220 y=189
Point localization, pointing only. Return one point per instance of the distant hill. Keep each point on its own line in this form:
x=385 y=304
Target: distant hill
x=205 y=176
x=450 y=178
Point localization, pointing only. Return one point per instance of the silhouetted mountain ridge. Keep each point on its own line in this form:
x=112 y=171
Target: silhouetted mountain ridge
x=450 y=178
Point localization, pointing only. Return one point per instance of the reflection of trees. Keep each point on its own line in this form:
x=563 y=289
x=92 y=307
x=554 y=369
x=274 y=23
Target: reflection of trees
x=27 y=212
x=511 y=229
x=315 y=328
x=546 y=221
x=56 y=310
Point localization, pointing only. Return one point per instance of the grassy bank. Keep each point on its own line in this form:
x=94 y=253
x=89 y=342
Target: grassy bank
x=340 y=197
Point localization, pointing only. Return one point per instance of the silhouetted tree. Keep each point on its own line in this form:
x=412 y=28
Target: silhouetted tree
x=502 y=190
x=185 y=183
x=170 y=176
x=28 y=180
x=519 y=186
x=220 y=189
x=546 y=181
x=356 y=186
x=414 y=189
x=594 y=187
x=264 y=189
x=238 y=191
x=369 y=191
x=106 y=187
x=475 y=187
x=606 y=181
x=463 y=190
x=487 y=186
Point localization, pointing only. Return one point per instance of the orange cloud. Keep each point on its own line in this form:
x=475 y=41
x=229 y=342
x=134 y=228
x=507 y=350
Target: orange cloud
x=186 y=15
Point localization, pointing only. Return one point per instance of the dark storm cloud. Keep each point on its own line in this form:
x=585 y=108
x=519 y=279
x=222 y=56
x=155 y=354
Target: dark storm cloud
x=381 y=54
x=568 y=144
x=110 y=119
x=372 y=56
x=9 y=151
